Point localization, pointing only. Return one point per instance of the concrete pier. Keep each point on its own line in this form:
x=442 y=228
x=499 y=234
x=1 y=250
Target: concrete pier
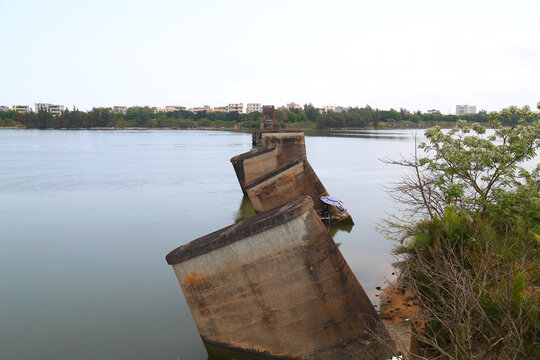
x=290 y=144
x=278 y=172
x=284 y=185
x=279 y=149
x=275 y=286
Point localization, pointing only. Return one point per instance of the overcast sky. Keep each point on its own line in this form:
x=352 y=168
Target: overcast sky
x=388 y=54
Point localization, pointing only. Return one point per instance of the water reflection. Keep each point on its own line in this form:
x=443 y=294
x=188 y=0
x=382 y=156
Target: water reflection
x=333 y=229
x=245 y=211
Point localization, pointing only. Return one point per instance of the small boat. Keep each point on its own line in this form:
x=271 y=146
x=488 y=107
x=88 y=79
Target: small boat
x=334 y=212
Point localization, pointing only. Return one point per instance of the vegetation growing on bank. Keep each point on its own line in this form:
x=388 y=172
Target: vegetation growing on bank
x=308 y=117
x=470 y=239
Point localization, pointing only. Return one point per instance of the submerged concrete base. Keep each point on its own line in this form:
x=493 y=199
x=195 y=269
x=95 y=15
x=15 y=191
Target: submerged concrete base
x=276 y=286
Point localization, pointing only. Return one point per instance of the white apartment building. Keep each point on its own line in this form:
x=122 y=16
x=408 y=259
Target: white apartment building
x=21 y=108
x=56 y=110
x=170 y=108
x=119 y=109
x=239 y=108
x=465 y=109
x=50 y=108
x=42 y=107
x=253 y=108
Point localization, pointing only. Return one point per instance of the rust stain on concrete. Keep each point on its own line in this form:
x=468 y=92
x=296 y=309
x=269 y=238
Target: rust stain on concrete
x=288 y=177
x=194 y=277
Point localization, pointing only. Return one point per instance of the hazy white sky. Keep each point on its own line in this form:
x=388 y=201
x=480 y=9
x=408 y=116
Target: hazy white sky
x=414 y=54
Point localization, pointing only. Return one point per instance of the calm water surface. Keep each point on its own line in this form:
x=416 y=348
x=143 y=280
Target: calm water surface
x=87 y=217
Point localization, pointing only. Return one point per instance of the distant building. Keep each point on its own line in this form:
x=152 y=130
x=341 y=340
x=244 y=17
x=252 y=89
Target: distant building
x=292 y=106
x=221 y=109
x=201 y=108
x=433 y=111
x=53 y=109
x=4 y=108
x=253 y=108
x=465 y=109
x=119 y=109
x=328 y=108
x=239 y=108
x=42 y=107
x=170 y=108
x=56 y=110
x=21 y=108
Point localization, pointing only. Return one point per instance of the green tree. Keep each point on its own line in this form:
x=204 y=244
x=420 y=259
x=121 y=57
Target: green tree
x=376 y=119
x=470 y=240
x=414 y=118
x=44 y=120
x=311 y=112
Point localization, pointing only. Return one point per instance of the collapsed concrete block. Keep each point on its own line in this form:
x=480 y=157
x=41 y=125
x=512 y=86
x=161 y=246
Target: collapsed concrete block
x=276 y=286
x=283 y=185
x=279 y=149
x=279 y=172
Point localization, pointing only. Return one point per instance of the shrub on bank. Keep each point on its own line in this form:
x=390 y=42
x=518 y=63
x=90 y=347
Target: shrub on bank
x=469 y=251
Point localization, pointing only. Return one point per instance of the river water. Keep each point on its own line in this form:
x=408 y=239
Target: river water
x=87 y=217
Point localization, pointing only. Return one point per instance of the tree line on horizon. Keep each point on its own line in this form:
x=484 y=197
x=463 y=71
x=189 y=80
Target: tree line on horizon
x=307 y=117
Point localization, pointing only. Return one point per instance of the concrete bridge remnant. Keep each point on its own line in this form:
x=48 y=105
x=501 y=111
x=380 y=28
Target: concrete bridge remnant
x=279 y=149
x=279 y=172
x=276 y=286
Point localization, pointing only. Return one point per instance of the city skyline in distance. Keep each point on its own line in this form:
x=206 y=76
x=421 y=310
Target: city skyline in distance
x=415 y=55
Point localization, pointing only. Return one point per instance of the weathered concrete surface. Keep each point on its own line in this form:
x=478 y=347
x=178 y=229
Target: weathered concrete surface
x=402 y=316
x=294 y=180
x=254 y=164
x=290 y=145
x=276 y=286
x=404 y=336
x=279 y=150
x=277 y=162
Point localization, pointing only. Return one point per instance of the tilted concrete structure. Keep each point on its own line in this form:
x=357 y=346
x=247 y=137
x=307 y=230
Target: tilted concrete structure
x=279 y=149
x=286 y=184
x=276 y=286
x=278 y=172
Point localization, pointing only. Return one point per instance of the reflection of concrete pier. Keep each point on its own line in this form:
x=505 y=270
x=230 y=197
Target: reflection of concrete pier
x=276 y=286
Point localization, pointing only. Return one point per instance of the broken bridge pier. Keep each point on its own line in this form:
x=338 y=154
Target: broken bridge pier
x=276 y=286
